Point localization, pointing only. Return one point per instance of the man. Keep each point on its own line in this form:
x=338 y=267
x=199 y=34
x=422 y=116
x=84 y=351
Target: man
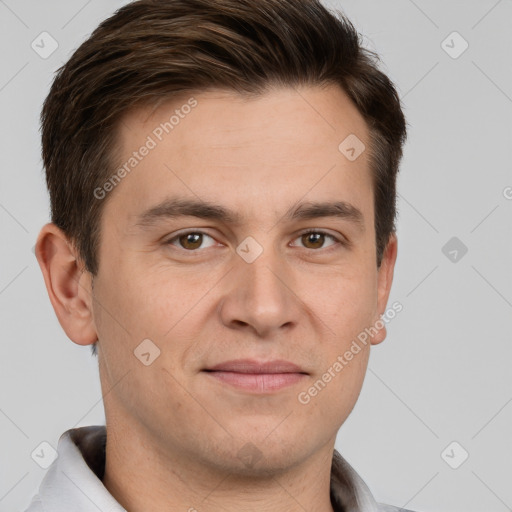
x=222 y=184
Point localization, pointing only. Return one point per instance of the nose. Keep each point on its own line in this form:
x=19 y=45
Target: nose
x=260 y=296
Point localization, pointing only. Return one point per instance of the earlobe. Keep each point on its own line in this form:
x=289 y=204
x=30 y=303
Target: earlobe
x=384 y=281
x=67 y=283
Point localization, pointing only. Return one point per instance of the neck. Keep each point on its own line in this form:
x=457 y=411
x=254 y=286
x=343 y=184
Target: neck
x=141 y=476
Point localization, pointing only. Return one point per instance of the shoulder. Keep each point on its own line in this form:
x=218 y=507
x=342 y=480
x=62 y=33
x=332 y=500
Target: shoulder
x=35 y=505
x=381 y=507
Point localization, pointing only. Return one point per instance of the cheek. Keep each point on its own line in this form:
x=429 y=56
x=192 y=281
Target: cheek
x=345 y=300
x=331 y=395
x=164 y=305
x=137 y=297
x=130 y=310
x=346 y=306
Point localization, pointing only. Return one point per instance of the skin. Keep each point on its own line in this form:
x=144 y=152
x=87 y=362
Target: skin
x=173 y=432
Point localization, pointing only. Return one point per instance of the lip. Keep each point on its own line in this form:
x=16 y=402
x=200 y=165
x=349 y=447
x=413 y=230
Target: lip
x=255 y=376
x=254 y=367
x=257 y=382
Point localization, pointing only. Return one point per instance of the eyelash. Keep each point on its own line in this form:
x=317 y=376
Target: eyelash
x=338 y=242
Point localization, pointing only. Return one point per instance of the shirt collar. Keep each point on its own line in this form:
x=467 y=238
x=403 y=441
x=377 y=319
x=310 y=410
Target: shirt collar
x=74 y=480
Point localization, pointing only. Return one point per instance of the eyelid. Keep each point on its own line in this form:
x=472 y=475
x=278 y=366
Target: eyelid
x=339 y=239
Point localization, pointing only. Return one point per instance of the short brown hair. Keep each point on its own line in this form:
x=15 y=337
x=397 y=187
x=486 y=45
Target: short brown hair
x=154 y=49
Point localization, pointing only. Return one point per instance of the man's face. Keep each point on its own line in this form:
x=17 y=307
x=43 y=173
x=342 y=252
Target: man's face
x=255 y=287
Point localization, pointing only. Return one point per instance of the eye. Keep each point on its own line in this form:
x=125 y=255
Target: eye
x=190 y=241
x=314 y=239
x=193 y=240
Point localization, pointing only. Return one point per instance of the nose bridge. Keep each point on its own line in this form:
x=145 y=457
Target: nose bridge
x=258 y=295
x=262 y=282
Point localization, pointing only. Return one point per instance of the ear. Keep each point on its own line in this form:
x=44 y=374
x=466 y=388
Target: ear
x=384 y=280
x=68 y=284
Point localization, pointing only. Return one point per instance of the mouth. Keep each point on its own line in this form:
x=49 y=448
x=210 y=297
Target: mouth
x=259 y=377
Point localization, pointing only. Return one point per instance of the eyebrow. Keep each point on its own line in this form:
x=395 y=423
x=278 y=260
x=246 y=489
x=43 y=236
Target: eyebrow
x=178 y=207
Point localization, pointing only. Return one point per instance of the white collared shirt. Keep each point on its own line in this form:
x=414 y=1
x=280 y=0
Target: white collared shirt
x=73 y=483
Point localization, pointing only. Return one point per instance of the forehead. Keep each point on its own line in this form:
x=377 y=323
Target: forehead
x=263 y=151
x=314 y=113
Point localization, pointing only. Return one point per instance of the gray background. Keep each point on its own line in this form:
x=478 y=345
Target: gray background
x=442 y=375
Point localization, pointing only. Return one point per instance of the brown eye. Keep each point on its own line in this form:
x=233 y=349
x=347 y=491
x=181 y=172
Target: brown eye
x=316 y=239
x=190 y=241
x=313 y=240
